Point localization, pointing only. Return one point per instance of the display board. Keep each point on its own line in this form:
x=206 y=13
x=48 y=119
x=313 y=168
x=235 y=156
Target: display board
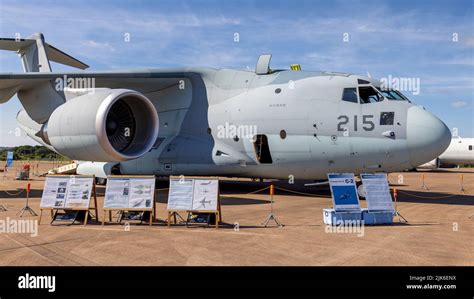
x=180 y=196
x=205 y=195
x=116 y=193
x=69 y=192
x=344 y=192
x=54 y=192
x=197 y=196
x=377 y=192
x=193 y=194
x=129 y=193
x=79 y=193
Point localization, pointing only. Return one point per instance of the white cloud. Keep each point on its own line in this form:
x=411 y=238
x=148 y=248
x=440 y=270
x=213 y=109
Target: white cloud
x=458 y=104
x=99 y=45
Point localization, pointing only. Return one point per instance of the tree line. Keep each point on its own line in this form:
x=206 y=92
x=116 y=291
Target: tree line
x=30 y=152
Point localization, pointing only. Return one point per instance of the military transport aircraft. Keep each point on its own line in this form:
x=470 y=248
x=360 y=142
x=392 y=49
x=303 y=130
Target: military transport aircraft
x=202 y=121
x=460 y=152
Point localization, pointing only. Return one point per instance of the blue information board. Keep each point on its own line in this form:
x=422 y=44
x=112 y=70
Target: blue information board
x=344 y=192
x=9 y=159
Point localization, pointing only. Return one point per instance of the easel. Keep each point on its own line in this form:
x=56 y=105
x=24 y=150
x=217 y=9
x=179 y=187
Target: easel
x=217 y=213
x=27 y=208
x=395 y=195
x=122 y=210
x=76 y=211
x=175 y=215
x=271 y=216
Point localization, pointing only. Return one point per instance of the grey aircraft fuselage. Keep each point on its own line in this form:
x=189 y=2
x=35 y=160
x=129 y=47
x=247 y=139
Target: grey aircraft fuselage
x=201 y=121
x=286 y=124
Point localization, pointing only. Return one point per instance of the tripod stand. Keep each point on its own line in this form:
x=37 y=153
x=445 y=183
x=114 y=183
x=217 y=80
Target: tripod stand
x=27 y=208
x=271 y=216
x=395 y=196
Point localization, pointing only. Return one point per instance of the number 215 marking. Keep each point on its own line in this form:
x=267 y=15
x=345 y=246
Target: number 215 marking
x=367 y=123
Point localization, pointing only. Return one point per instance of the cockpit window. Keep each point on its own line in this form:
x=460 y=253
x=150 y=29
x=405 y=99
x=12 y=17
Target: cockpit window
x=393 y=95
x=350 y=95
x=369 y=95
x=361 y=81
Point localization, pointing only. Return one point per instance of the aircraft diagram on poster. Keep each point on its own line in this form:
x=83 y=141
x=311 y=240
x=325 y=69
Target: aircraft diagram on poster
x=205 y=195
x=79 y=192
x=67 y=192
x=343 y=190
x=193 y=194
x=141 y=193
x=129 y=193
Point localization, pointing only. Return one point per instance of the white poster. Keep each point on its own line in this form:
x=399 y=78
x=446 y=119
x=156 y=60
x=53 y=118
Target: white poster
x=377 y=192
x=124 y=193
x=54 y=192
x=116 y=193
x=180 y=196
x=141 y=193
x=205 y=195
x=79 y=192
x=193 y=194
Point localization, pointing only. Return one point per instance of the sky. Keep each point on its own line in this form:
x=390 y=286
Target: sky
x=429 y=40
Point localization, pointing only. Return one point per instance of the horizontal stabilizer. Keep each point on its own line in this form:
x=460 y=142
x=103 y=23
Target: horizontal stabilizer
x=59 y=56
x=53 y=54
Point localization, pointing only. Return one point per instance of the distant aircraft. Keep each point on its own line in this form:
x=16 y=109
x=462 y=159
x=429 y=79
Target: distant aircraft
x=202 y=121
x=460 y=152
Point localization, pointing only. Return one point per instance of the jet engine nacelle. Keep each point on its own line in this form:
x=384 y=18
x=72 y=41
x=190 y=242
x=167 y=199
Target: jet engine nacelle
x=106 y=125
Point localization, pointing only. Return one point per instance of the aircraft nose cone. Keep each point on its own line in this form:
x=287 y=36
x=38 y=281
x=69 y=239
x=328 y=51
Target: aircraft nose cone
x=427 y=136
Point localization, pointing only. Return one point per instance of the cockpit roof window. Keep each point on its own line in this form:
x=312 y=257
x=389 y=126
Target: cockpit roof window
x=361 y=81
x=393 y=95
x=369 y=95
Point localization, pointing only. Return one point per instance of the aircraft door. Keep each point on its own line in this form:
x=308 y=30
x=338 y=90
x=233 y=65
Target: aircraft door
x=262 y=149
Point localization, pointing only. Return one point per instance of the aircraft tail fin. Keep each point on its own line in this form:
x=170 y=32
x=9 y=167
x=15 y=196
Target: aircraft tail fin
x=35 y=53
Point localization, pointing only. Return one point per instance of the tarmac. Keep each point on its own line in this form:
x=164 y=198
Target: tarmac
x=439 y=232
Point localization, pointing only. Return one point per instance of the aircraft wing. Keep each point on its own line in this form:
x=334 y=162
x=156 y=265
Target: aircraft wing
x=141 y=80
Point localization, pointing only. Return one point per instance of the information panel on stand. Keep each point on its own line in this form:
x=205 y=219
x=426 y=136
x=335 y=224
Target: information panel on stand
x=67 y=192
x=193 y=194
x=344 y=192
x=129 y=193
x=377 y=192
